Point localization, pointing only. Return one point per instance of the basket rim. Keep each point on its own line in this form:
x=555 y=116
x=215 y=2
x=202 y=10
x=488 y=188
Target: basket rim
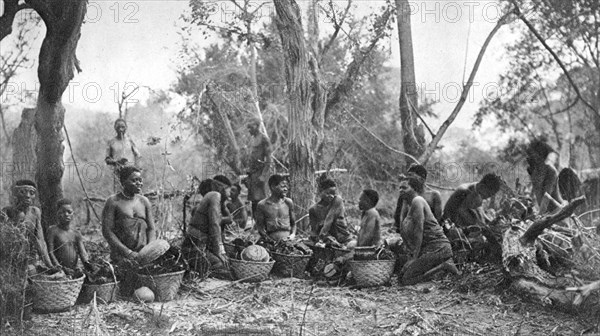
x=104 y=284
x=371 y=261
x=58 y=281
x=160 y=275
x=251 y=262
x=294 y=255
x=332 y=248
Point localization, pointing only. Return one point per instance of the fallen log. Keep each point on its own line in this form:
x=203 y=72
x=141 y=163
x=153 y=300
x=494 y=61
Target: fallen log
x=519 y=246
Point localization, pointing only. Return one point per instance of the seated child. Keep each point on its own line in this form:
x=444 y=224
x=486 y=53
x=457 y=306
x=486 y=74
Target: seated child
x=65 y=244
x=370 y=221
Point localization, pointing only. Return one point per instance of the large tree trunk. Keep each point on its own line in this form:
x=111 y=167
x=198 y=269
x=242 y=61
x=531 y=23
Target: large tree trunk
x=24 y=140
x=301 y=158
x=57 y=63
x=408 y=101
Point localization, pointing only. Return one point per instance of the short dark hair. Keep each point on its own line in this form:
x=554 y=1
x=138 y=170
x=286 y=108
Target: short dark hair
x=120 y=120
x=417 y=183
x=275 y=179
x=25 y=183
x=63 y=201
x=418 y=169
x=126 y=171
x=326 y=184
x=206 y=186
x=223 y=179
x=491 y=181
x=540 y=147
x=372 y=195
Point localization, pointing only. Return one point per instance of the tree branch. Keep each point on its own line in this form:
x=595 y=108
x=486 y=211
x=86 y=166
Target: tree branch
x=337 y=25
x=554 y=55
x=539 y=226
x=465 y=92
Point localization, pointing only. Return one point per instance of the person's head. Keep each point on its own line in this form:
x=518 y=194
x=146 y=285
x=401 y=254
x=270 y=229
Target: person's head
x=236 y=189
x=538 y=151
x=120 y=126
x=417 y=170
x=411 y=186
x=278 y=185
x=131 y=179
x=223 y=186
x=253 y=126
x=207 y=186
x=489 y=185
x=368 y=199
x=24 y=192
x=64 y=211
x=327 y=190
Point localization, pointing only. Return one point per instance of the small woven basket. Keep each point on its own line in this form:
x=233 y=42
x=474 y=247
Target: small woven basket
x=370 y=273
x=55 y=296
x=164 y=286
x=105 y=293
x=290 y=265
x=252 y=271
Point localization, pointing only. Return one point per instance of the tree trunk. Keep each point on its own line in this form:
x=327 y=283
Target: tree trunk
x=230 y=149
x=301 y=158
x=24 y=140
x=57 y=63
x=408 y=94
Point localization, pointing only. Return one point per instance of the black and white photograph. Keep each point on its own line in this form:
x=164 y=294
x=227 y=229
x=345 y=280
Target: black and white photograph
x=299 y=167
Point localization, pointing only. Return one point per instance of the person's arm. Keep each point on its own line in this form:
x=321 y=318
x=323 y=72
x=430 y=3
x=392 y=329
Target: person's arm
x=397 y=222
x=150 y=228
x=108 y=226
x=243 y=216
x=226 y=217
x=290 y=205
x=267 y=151
x=436 y=200
x=417 y=214
x=81 y=251
x=109 y=154
x=260 y=221
x=313 y=222
x=549 y=186
x=214 y=223
x=51 y=237
x=136 y=154
x=452 y=210
x=41 y=242
x=337 y=207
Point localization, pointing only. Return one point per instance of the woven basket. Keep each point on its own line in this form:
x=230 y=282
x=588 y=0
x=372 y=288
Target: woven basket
x=290 y=265
x=164 y=286
x=256 y=271
x=55 y=296
x=105 y=293
x=365 y=252
x=370 y=273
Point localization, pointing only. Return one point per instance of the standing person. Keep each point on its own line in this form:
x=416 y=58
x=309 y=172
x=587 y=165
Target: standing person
x=65 y=244
x=274 y=216
x=29 y=217
x=424 y=241
x=433 y=197
x=327 y=217
x=203 y=242
x=544 y=176
x=127 y=219
x=464 y=207
x=121 y=150
x=259 y=165
x=237 y=208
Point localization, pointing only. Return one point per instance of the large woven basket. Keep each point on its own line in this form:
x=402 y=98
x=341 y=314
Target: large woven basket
x=370 y=273
x=252 y=271
x=164 y=286
x=105 y=293
x=290 y=265
x=55 y=296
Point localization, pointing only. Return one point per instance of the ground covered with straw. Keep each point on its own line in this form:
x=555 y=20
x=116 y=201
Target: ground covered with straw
x=476 y=303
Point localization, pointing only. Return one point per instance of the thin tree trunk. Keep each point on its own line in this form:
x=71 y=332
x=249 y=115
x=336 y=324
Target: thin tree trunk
x=25 y=138
x=301 y=158
x=231 y=148
x=57 y=63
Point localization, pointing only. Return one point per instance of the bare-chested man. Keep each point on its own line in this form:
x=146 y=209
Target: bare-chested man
x=544 y=176
x=65 y=244
x=127 y=220
x=275 y=218
x=121 y=149
x=237 y=208
x=259 y=165
x=327 y=217
x=29 y=217
x=464 y=207
x=433 y=197
x=204 y=236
